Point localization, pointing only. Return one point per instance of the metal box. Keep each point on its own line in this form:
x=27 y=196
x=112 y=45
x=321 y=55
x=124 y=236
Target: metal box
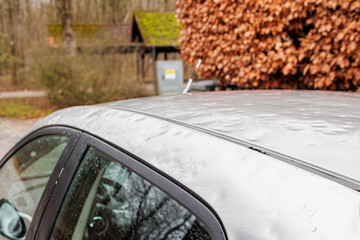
x=170 y=76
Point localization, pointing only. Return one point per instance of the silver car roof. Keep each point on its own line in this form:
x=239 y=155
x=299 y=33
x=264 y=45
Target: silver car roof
x=255 y=195
x=321 y=128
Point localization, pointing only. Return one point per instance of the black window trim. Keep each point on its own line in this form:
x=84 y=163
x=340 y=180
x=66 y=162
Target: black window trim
x=175 y=189
x=73 y=136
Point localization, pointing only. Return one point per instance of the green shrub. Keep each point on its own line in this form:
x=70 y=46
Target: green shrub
x=6 y=59
x=87 y=78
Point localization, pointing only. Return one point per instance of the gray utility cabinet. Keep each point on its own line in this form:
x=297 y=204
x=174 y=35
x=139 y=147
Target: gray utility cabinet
x=170 y=76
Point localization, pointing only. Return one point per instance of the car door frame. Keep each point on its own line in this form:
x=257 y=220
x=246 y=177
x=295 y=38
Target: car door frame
x=74 y=136
x=190 y=200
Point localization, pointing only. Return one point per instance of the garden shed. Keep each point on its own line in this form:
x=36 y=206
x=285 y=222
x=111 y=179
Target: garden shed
x=157 y=32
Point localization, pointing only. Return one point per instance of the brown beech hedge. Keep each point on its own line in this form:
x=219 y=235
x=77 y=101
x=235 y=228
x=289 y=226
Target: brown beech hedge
x=266 y=44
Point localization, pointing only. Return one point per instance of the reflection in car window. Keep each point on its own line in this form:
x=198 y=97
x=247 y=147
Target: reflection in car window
x=24 y=176
x=107 y=201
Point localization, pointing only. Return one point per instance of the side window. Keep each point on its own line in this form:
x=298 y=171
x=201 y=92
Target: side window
x=108 y=201
x=22 y=181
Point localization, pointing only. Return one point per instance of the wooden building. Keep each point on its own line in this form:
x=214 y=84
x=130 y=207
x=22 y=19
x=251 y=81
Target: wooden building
x=151 y=32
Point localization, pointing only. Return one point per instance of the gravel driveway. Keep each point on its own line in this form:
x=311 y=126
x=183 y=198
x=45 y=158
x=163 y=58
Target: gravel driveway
x=11 y=131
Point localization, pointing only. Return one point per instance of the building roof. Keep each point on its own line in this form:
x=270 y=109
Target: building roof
x=255 y=195
x=86 y=33
x=155 y=28
x=151 y=28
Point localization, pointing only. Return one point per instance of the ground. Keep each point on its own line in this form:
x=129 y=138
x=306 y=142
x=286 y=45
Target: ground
x=11 y=131
x=14 y=106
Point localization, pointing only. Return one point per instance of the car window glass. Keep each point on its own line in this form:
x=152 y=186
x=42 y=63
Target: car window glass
x=24 y=176
x=108 y=201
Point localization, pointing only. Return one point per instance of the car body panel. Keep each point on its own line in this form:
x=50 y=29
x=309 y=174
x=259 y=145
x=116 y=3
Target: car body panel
x=256 y=196
x=322 y=128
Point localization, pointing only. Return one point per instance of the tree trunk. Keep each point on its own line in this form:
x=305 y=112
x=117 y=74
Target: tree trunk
x=2 y=18
x=69 y=39
x=20 y=31
x=166 y=5
x=13 y=38
x=64 y=8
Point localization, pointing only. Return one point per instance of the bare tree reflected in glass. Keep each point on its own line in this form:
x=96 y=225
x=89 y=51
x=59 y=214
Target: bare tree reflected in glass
x=123 y=206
